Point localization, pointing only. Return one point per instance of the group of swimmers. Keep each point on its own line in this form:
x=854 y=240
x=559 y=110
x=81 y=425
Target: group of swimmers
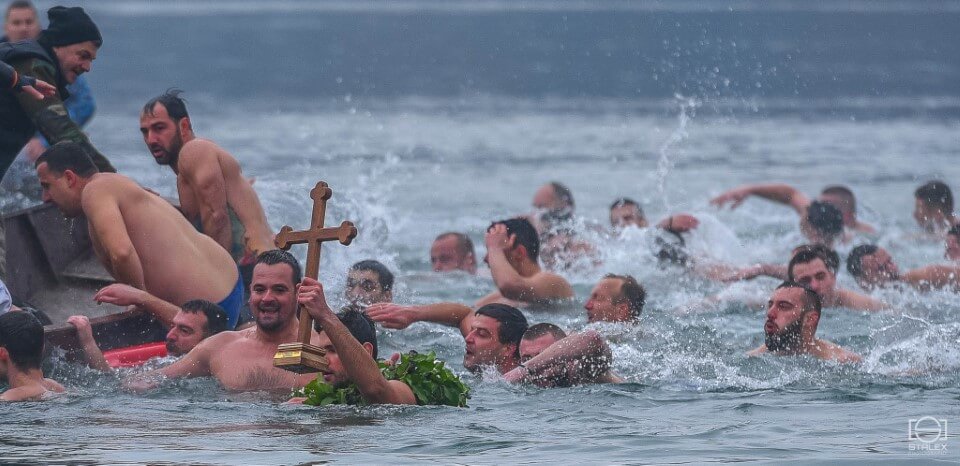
x=194 y=267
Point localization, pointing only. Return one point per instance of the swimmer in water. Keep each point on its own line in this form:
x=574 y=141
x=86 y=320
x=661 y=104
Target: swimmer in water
x=243 y=360
x=873 y=267
x=953 y=244
x=194 y=322
x=616 y=298
x=21 y=352
x=793 y=314
x=933 y=207
x=821 y=221
x=512 y=253
x=551 y=358
x=369 y=282
x=453 y=251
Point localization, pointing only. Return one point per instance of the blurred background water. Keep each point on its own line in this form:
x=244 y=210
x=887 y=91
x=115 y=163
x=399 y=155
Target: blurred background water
x=428 y=116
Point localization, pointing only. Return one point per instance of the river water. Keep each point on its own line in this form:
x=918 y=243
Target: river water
x=427 y=116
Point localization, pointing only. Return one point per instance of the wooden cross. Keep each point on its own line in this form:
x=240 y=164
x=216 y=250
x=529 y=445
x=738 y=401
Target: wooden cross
x=301 y=356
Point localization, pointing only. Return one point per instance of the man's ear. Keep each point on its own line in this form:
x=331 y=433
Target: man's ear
x=71 y=177
x=184 y=125
x=4 y=354
x=369 y=347
x=389 y=295
x=812 y=319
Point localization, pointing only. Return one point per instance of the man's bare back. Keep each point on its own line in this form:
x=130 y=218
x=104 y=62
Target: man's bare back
x=145 y=242
x=209 y=178
x=36 y=392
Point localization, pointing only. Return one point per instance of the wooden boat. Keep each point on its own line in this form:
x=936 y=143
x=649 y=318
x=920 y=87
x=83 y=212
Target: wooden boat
x=51 y=267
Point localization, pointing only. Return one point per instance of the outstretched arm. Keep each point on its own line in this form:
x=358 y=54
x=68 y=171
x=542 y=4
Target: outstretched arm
x=202 y=171
x=196 y=363
x=589 y=354
x=361 y=368
x=106 y=224
x=399 y=317
x=853 y=300
x=780 y=193
x=125 y=295
x=933 y=276
x=91 y=352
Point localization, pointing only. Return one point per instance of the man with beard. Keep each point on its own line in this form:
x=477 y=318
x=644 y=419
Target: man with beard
x=873 y=267
x=793 y=314
x=213 y=192
x=140 y=239
x=243 y=360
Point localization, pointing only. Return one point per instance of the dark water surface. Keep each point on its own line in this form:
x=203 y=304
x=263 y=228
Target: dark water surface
x=432 y=116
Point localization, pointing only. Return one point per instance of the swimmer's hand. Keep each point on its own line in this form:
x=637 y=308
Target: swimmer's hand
x=734 y=197
x=391 y=315
x=84 y=330
x=121 y=295
x=142 y=383
x=679 y=223
x=310 y=296
x=498 y=239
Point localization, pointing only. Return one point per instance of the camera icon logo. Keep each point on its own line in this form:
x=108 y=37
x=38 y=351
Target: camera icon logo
x=927 y=429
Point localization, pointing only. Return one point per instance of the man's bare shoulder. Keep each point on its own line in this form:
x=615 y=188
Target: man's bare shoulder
x=201 y=150
x=762 y=349
x=831 y=351
x=222 y=340
x=564 y=290
x=109 y=183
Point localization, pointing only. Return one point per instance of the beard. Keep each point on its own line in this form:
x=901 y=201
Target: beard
x=785 y=340
x=172 y=153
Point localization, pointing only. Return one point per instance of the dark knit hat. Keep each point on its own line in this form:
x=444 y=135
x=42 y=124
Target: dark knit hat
x=70 y=26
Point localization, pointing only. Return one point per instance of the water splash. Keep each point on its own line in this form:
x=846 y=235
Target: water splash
x=666 y=162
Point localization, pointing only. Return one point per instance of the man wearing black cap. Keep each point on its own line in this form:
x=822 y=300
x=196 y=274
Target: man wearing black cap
x=63 y=51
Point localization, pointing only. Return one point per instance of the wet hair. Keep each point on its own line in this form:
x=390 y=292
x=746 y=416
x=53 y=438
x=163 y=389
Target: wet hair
x=809 y=255
x=68 y=155
x=844 y=192
x=631 y=292
x=563 y=193
x=543 y=329
x=216 y=317
x=855 y=258
x=19 y=5
x=671 y=252
x=829 y=256
x=811 y=300
x=21 y=334
x=936 y=194
x=464 y=244
x=512 y=323
x=277 y=256
x=954 y=230
x=359 y=325
x=626 y=201
x=825 y=218
x=526 y=235
x=384 y=275
x=171 y=100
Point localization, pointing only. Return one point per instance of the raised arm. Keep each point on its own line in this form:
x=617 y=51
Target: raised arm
x=780 y=193
x=125 y=295
x=538 y=288
x=91 y=352
x=587 y=351
x=106 y=223
x=361 y=368
x=199 y=164
x=399 y=317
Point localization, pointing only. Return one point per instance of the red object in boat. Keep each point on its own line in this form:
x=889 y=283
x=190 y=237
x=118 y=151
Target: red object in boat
x=135 y=355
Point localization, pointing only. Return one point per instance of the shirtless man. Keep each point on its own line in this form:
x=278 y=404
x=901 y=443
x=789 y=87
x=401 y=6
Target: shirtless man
x=512 y=254
x=453 y=251
x=933 y=208
x=821 y=221
x=213 y=192
x=142 y=240
x=368 y=282
x=616 y=298
x=812 y=269
x=873 y=267
x=21 y=351
x=550 y=358
x=243 y=360
x=196 y=321
x=793 y=314
x=952 y=251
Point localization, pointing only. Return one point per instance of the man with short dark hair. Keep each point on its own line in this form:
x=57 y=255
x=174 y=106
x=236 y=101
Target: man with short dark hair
x=512 y=253
x=819 y=273
x=368 y=282
x=625 y=212
x=243 y=360
x=350 y=341
x=21 y=352
x=818 y=219
x=538 y=338
x=195 y=321
x=577 y=359
x=933 y=208
x=140 y=238
x=213 y=192
x=616 y=298
x=793 y=314
x=453 y=251
x=873 y=267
